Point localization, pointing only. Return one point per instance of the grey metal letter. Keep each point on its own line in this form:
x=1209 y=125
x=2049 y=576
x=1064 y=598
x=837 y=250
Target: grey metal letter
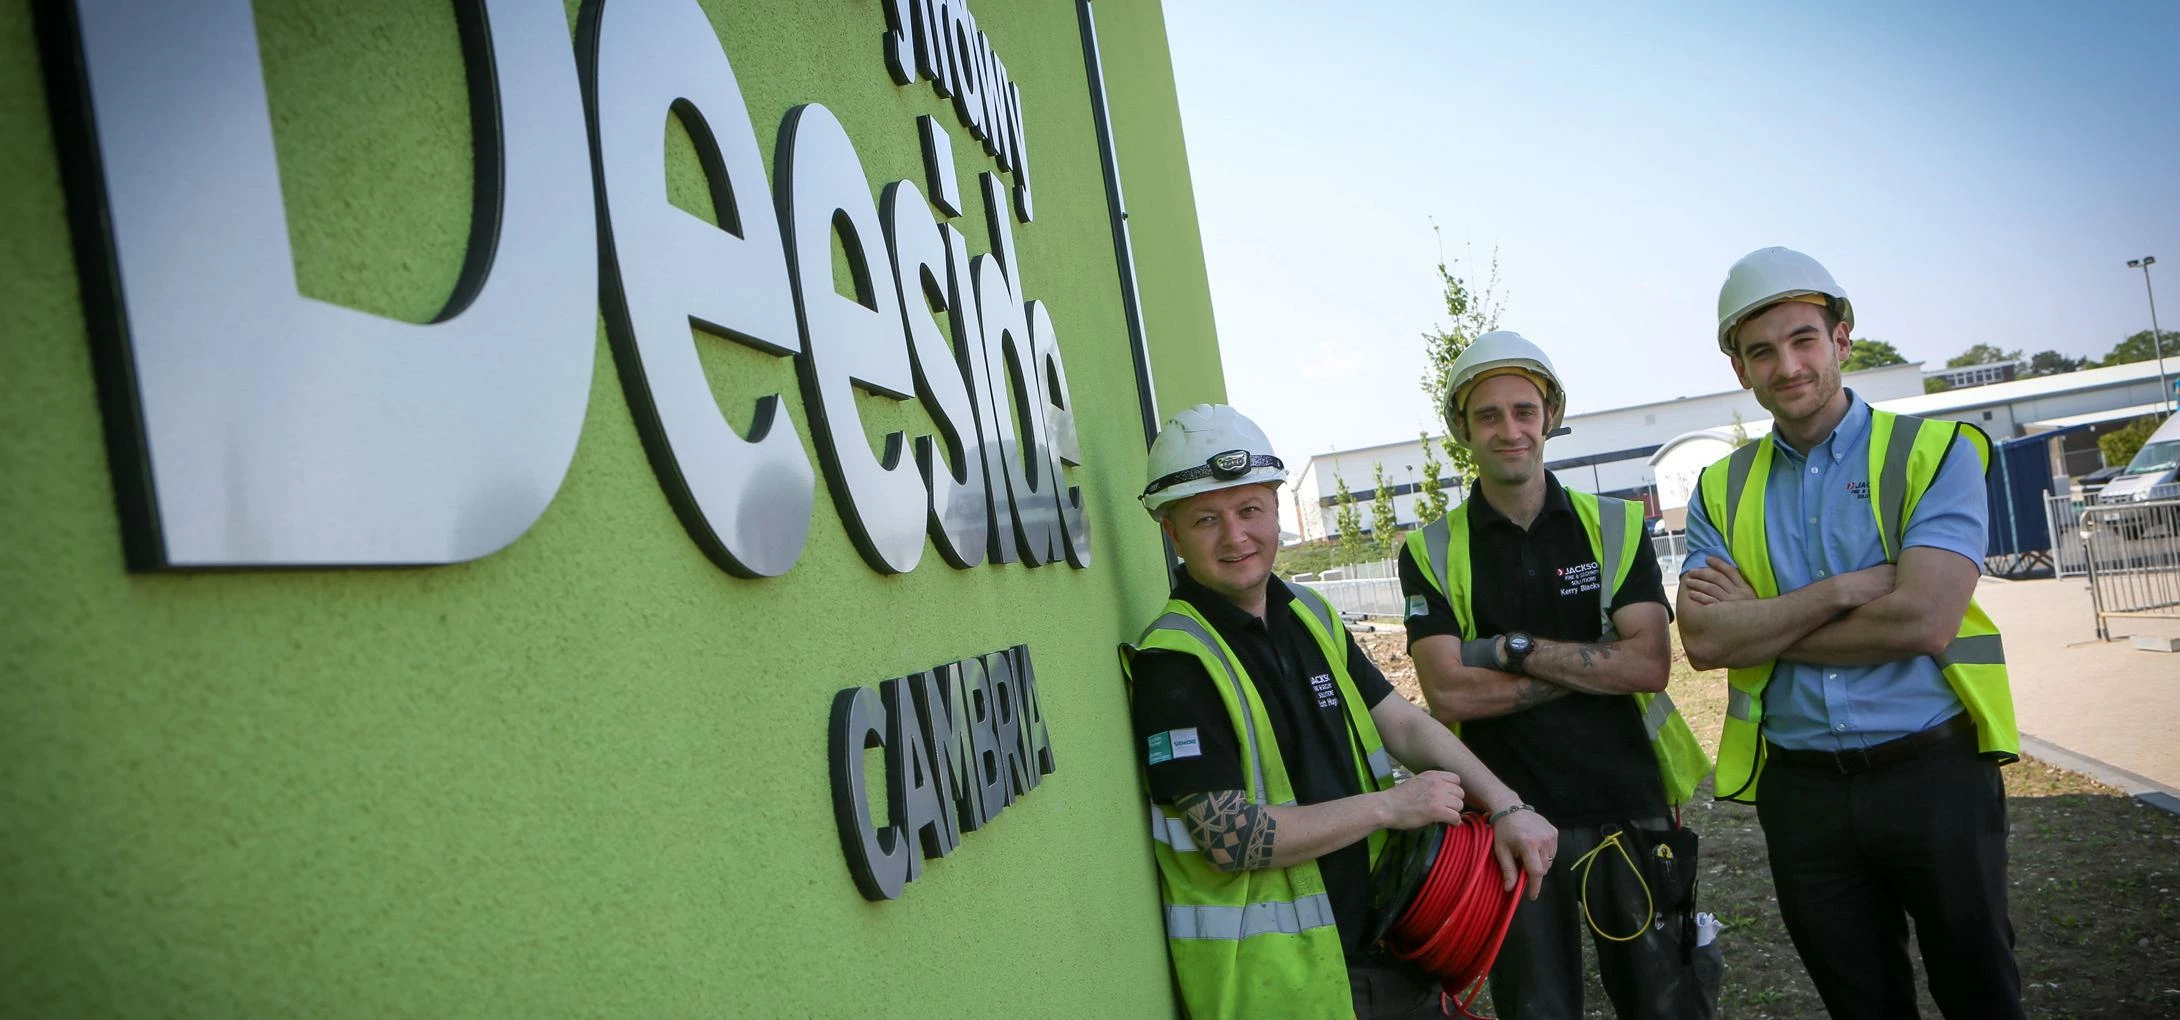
x=958 y=523
x=1064 y=447
x=1011 y=373
x=746 y=501
x=938 y=165
x=878 y=858
x=912 y=784
x=969 y=345
x=849 y=343
x=899 y=47
x=251 y=426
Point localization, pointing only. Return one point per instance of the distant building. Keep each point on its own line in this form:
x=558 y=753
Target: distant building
x=1652 y=452
x=1978 y=375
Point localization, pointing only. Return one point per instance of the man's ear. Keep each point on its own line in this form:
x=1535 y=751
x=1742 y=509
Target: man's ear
x=1741 y=372
x=1843 y=344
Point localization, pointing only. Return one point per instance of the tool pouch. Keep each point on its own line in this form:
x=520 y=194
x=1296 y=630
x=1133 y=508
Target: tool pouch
x=1668 y=860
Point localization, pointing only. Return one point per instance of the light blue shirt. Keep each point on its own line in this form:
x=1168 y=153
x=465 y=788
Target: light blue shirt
x=1818 y=519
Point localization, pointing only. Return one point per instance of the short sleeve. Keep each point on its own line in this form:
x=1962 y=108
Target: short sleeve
x=1428 y=613
x=1954 y=514
x=1182 y=734
x=1370 y=681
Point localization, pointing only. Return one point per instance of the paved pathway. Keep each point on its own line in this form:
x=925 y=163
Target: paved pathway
x=2102 y=707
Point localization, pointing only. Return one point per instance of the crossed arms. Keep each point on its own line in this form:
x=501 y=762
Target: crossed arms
x=1863 y=618
x=1638 y=662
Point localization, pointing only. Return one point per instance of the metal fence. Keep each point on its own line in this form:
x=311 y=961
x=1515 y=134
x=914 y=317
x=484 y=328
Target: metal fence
x=2131 y=552
x=1361 y=589
x=2063 y=513
x=1670 y=549
x=1373 y=589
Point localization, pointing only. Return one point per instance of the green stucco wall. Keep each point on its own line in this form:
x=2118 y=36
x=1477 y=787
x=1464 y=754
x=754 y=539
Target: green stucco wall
x=585 y=775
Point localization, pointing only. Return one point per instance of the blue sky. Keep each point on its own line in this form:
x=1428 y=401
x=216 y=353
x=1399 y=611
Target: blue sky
x=1970 y=172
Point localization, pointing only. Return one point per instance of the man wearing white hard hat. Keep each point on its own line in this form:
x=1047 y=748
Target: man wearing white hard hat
x=1831 y=567
x=1266 y=734
x=1538 y=623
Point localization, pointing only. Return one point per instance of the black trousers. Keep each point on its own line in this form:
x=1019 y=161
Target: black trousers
x=1538 y=975
x=1856 y=856
x=1385 y=988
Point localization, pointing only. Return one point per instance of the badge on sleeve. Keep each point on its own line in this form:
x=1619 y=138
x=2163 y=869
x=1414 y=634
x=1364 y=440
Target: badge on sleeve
x=1417 y=606
x=1175 y=744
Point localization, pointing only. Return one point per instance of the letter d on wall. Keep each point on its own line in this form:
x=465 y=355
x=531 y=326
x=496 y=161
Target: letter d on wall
x=251 y=426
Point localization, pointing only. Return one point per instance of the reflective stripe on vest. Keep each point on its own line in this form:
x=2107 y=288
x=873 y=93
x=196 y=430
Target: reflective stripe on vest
x=1170 y=830
x=1659 y=713
x=1276 y=918
x=1188 y=625
x=1906 y=454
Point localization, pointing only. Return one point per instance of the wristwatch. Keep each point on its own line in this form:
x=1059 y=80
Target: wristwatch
x=1518 y=646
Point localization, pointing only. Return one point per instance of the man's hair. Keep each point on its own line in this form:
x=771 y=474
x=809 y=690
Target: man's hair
x=1829 y=309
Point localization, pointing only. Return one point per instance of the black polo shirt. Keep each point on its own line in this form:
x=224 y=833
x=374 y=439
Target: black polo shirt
x=1582 y=759
x=1188 y=745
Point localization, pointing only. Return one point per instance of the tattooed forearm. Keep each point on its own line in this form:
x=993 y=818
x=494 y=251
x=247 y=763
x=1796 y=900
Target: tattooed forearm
x=1591 y=653
x=1529 y=692
x=1233 y=834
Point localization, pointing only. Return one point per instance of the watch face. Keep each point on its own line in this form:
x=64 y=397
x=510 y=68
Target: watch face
x=1518 y=643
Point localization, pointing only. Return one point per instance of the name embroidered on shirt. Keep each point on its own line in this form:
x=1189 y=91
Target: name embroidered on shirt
x=1173 y=744
x=1578 y=579
x=1328 y=695
x=1859 y=490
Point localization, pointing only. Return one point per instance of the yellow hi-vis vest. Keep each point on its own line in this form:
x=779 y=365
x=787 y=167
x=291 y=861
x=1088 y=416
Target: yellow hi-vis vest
x=1615 y=529
x=1905 y=454
x=1256 y=943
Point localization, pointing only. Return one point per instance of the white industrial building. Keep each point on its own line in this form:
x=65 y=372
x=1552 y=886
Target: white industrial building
x=1652 y=452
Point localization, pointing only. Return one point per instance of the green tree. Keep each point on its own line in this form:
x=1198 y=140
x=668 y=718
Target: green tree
x=1305 y=558
x=1348 y=517
x=1934 y=384
x=2053 y=363
x=2139 y=348
x=1384 y=518
x=1740 y=431
x=1432 y=505
x=1981 y=354
x=1867 y=353
x=1470 y=312
x=2121 y=444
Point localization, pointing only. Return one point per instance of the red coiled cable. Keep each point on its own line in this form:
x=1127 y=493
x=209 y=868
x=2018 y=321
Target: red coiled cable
x=1458 y=919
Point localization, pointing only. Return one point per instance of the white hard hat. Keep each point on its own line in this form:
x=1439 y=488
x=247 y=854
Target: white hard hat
x=1767 y=276
x=1206 y=448
x=1502 y=352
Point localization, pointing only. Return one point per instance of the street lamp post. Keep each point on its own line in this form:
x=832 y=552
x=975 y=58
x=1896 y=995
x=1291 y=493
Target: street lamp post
x=2157 y=339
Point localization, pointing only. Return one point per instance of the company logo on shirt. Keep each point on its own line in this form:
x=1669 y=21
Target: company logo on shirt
x=1328 y=695
x=1859 y=490
x=1172 y=744
x=1418 y=606
x=1577 y=579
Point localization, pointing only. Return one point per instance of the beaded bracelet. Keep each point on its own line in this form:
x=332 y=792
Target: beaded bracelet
x=1505 y=811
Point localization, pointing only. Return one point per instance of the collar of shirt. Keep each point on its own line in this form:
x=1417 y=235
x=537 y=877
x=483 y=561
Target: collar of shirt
x=1226 y=616
x=1846 y=437
x=1481 y=514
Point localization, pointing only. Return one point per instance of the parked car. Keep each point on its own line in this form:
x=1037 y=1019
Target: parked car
x=2153 y=474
